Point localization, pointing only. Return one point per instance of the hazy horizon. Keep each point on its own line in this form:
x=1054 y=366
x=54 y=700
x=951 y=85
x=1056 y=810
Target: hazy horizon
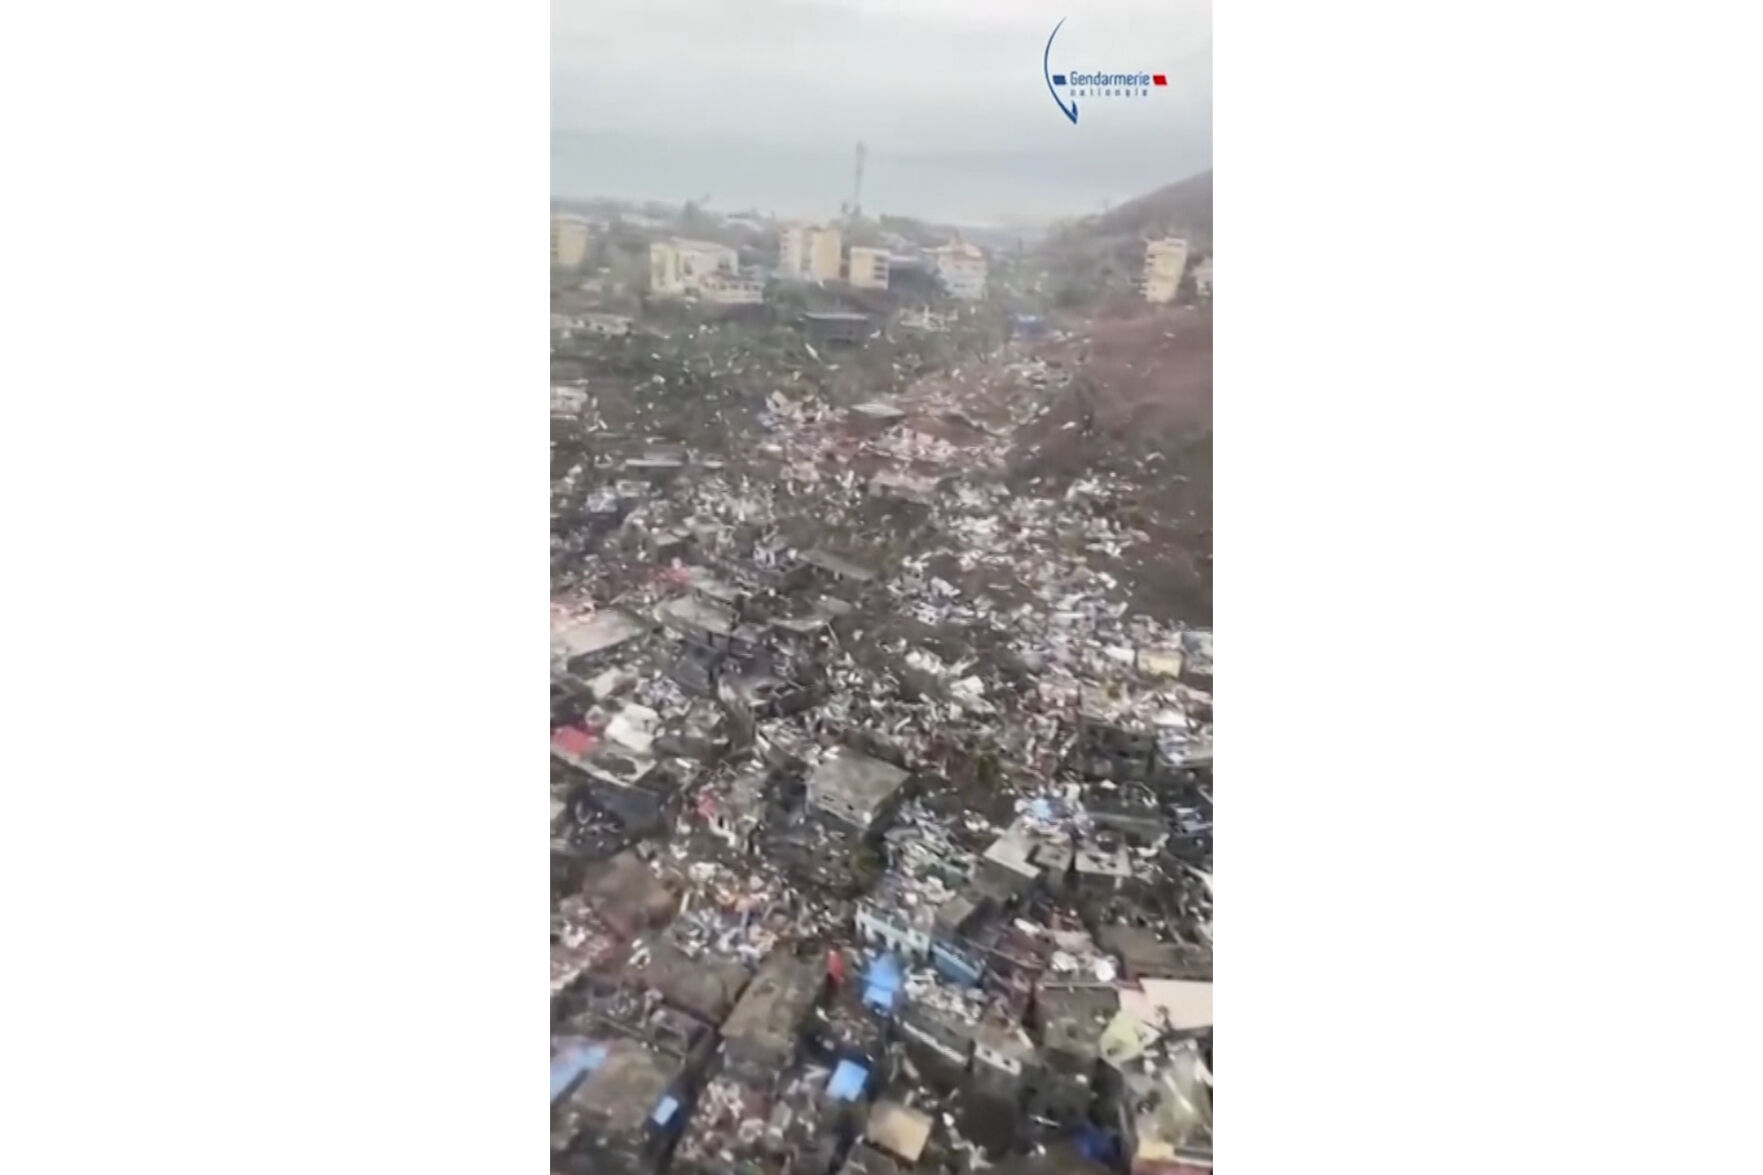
x=760 y=104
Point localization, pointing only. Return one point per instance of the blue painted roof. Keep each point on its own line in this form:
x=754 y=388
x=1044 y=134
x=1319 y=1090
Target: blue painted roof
x=884 y=972
x=848 y=1081
x=882 y=982
x=568 y=1066
x=665 y=1111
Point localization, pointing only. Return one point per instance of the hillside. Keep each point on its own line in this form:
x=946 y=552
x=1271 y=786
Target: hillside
x=1100 y=258
x=1140 y=410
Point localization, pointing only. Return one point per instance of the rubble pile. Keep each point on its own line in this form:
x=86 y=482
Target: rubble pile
x=881 y=812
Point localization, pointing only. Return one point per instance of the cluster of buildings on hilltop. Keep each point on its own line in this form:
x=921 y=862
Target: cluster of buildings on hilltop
x=1166 y=260
x=815 y=253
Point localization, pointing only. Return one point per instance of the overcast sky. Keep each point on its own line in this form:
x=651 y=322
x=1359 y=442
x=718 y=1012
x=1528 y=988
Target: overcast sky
x=761 y=103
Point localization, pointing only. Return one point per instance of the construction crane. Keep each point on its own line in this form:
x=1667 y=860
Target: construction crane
x=857 y=182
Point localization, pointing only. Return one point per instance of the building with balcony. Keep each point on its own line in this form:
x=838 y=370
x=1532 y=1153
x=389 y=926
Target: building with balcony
x=868 y=268
x=679 y=267
x=1165 y=260
x=961 y=270
x=569 y=241
x=810 y=252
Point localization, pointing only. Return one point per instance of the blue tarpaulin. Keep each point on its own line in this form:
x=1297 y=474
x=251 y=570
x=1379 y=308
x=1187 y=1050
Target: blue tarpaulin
x=848 y=1081
x=882 y=983
x=571 y=1062
x=665 y=1111
x=1098 y=1145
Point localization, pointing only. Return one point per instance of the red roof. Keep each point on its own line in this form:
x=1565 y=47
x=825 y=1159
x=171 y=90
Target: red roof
x=572 y=740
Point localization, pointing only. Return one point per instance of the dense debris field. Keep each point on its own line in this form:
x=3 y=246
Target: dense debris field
x=881 y=752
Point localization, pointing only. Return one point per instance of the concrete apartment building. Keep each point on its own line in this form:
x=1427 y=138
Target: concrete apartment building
x=809 y=252
x=961 y=268
x=678 y=267
x=869 y=268
x=729 y=289
x=1164 y=262
x=569 y=241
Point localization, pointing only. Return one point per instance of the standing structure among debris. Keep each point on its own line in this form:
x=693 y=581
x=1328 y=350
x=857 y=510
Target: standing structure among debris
x=678 y=267
x=835 y=326
x=869 y=268
x=1165 y=260
x=618 y=1118
x=961 y=268
x=809 y=252
x=569 y=241
x=763 y=1033
x=899 y=1131
x=855 y=789
x=584 y=643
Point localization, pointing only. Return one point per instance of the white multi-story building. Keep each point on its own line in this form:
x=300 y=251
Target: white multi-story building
x=728 y=289
x=869 y=268
x=569 y=241
x=961 y=268
x=1164 y=262
x=809 y=252
x=678 y=267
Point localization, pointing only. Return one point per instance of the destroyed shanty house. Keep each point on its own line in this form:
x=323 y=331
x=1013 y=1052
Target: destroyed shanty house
x=586 y=644
x=1114 y=741
x=1004 y=1057
x=941 y=1026
x=874 y=415
x=799 y=1123
x=881 y=782
x=621 y=1113
x=606 y=1004
x=607 y=325
x=726 y=1131
x=617 y=773
x=1156 y=1015
x=905 y=487
x=1024 y=856
x=913 y=911
x=1165 y=1111
x=704 y=984
x=898 y=1130
x=835 y=326
x=897 y=916
x=844 y=1028
x=764 y=1032
x=568 y=403
x=832 y=573
x=628 y=896
x=658 y=467
x=582 y=943
x=1072 y=1018
x=1100 y=868
x=856 y=789
x=734 y=808
x=866 y=1160
x=1146 y=954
